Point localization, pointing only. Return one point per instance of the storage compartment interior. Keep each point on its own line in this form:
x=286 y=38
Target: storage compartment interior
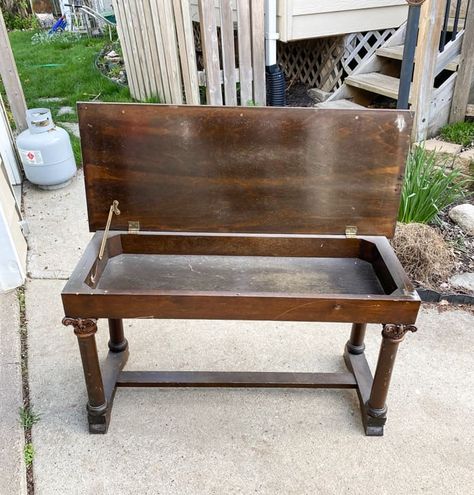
x=241 y=265
x=240 y=274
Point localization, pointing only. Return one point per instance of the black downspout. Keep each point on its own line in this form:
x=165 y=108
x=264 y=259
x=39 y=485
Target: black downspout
x=276 y=87
x=409 y=48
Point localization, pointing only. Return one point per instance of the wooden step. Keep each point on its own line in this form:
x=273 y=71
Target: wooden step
x=375 y=83
x=343 y=104
x=396 y=53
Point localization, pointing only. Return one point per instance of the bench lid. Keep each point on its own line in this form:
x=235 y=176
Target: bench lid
x=244 y=169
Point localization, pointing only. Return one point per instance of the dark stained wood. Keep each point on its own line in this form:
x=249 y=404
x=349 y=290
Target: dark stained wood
x=231 y=301
x=85 y=330
x=112 y=367
x=224 y=169
x=388 y=266
x=392 y=335
x=117 y=341
x=239 y=274
x=357 y=364
x=197 y=178
x=365 y=309
x=244 y=245
x=231 y=379
x=356 y=345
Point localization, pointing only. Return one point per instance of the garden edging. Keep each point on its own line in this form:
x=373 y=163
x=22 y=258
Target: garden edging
x=432 y=296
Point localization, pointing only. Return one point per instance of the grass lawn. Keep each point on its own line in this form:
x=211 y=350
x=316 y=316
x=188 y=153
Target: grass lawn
x=74 y=79
x=460 y=133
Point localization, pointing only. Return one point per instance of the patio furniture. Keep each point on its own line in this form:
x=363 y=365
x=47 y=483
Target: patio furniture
x=244 y=214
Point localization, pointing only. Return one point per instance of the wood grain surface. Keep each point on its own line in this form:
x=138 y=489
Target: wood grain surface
x=230 y=169
x=363 y=279
x=239 y=274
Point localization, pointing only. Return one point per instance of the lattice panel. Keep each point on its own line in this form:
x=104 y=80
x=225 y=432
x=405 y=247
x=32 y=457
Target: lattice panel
x=315 y=62
x=358 y=47
x=324 y=62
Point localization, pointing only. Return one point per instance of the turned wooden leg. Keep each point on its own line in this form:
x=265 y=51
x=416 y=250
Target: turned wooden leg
x=376 y=407
x=85 y=329
x=117 y=342
x=355 y=344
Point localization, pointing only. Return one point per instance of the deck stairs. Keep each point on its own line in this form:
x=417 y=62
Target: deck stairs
x=379 y=75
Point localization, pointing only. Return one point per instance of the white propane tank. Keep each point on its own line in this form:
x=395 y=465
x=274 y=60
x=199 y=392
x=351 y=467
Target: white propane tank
x=46 y=151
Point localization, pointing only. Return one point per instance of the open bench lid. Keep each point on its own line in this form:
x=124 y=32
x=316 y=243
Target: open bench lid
x=244 y=169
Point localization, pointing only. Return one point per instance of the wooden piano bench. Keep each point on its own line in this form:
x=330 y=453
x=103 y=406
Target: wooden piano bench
x=243 y=214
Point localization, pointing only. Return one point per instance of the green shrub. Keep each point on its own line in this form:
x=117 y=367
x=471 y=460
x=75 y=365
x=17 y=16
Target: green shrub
x=19 y=22
x=428 y=187
x=459 y=133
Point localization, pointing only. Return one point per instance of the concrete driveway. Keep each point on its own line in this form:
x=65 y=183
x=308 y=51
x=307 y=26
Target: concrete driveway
x=197 y=441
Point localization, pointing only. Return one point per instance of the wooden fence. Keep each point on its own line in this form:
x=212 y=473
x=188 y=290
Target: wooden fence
x=11 y=80
x=159 y=49
x=8 y=154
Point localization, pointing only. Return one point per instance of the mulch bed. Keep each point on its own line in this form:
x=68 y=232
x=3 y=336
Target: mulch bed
x=463 y=249
x=297 y=95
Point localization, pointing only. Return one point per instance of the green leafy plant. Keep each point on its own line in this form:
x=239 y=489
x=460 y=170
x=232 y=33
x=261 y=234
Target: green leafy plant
x=114 y=70
x=62 y=38
x=18 y=22
x=428 y=187
x=28 y=418
x=29 y=454
x=459 y=133
x=18 y=15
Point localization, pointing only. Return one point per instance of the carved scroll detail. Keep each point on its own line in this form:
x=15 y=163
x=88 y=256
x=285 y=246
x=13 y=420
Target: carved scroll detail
x=83 y=327
x=415 y=2
x=397 y=332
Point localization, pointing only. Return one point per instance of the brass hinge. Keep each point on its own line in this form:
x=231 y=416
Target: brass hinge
x=133 y=227
x=351 y=231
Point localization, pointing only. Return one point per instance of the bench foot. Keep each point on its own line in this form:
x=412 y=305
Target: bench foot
x=373 y=392
x=98 y=418
x=374 y=421
x=373 y=431
x=100 y=391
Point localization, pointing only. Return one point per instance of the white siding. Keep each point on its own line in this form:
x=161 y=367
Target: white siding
x=7 y=152
x=307 y=7
x=304 y=19
x=12 y=242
